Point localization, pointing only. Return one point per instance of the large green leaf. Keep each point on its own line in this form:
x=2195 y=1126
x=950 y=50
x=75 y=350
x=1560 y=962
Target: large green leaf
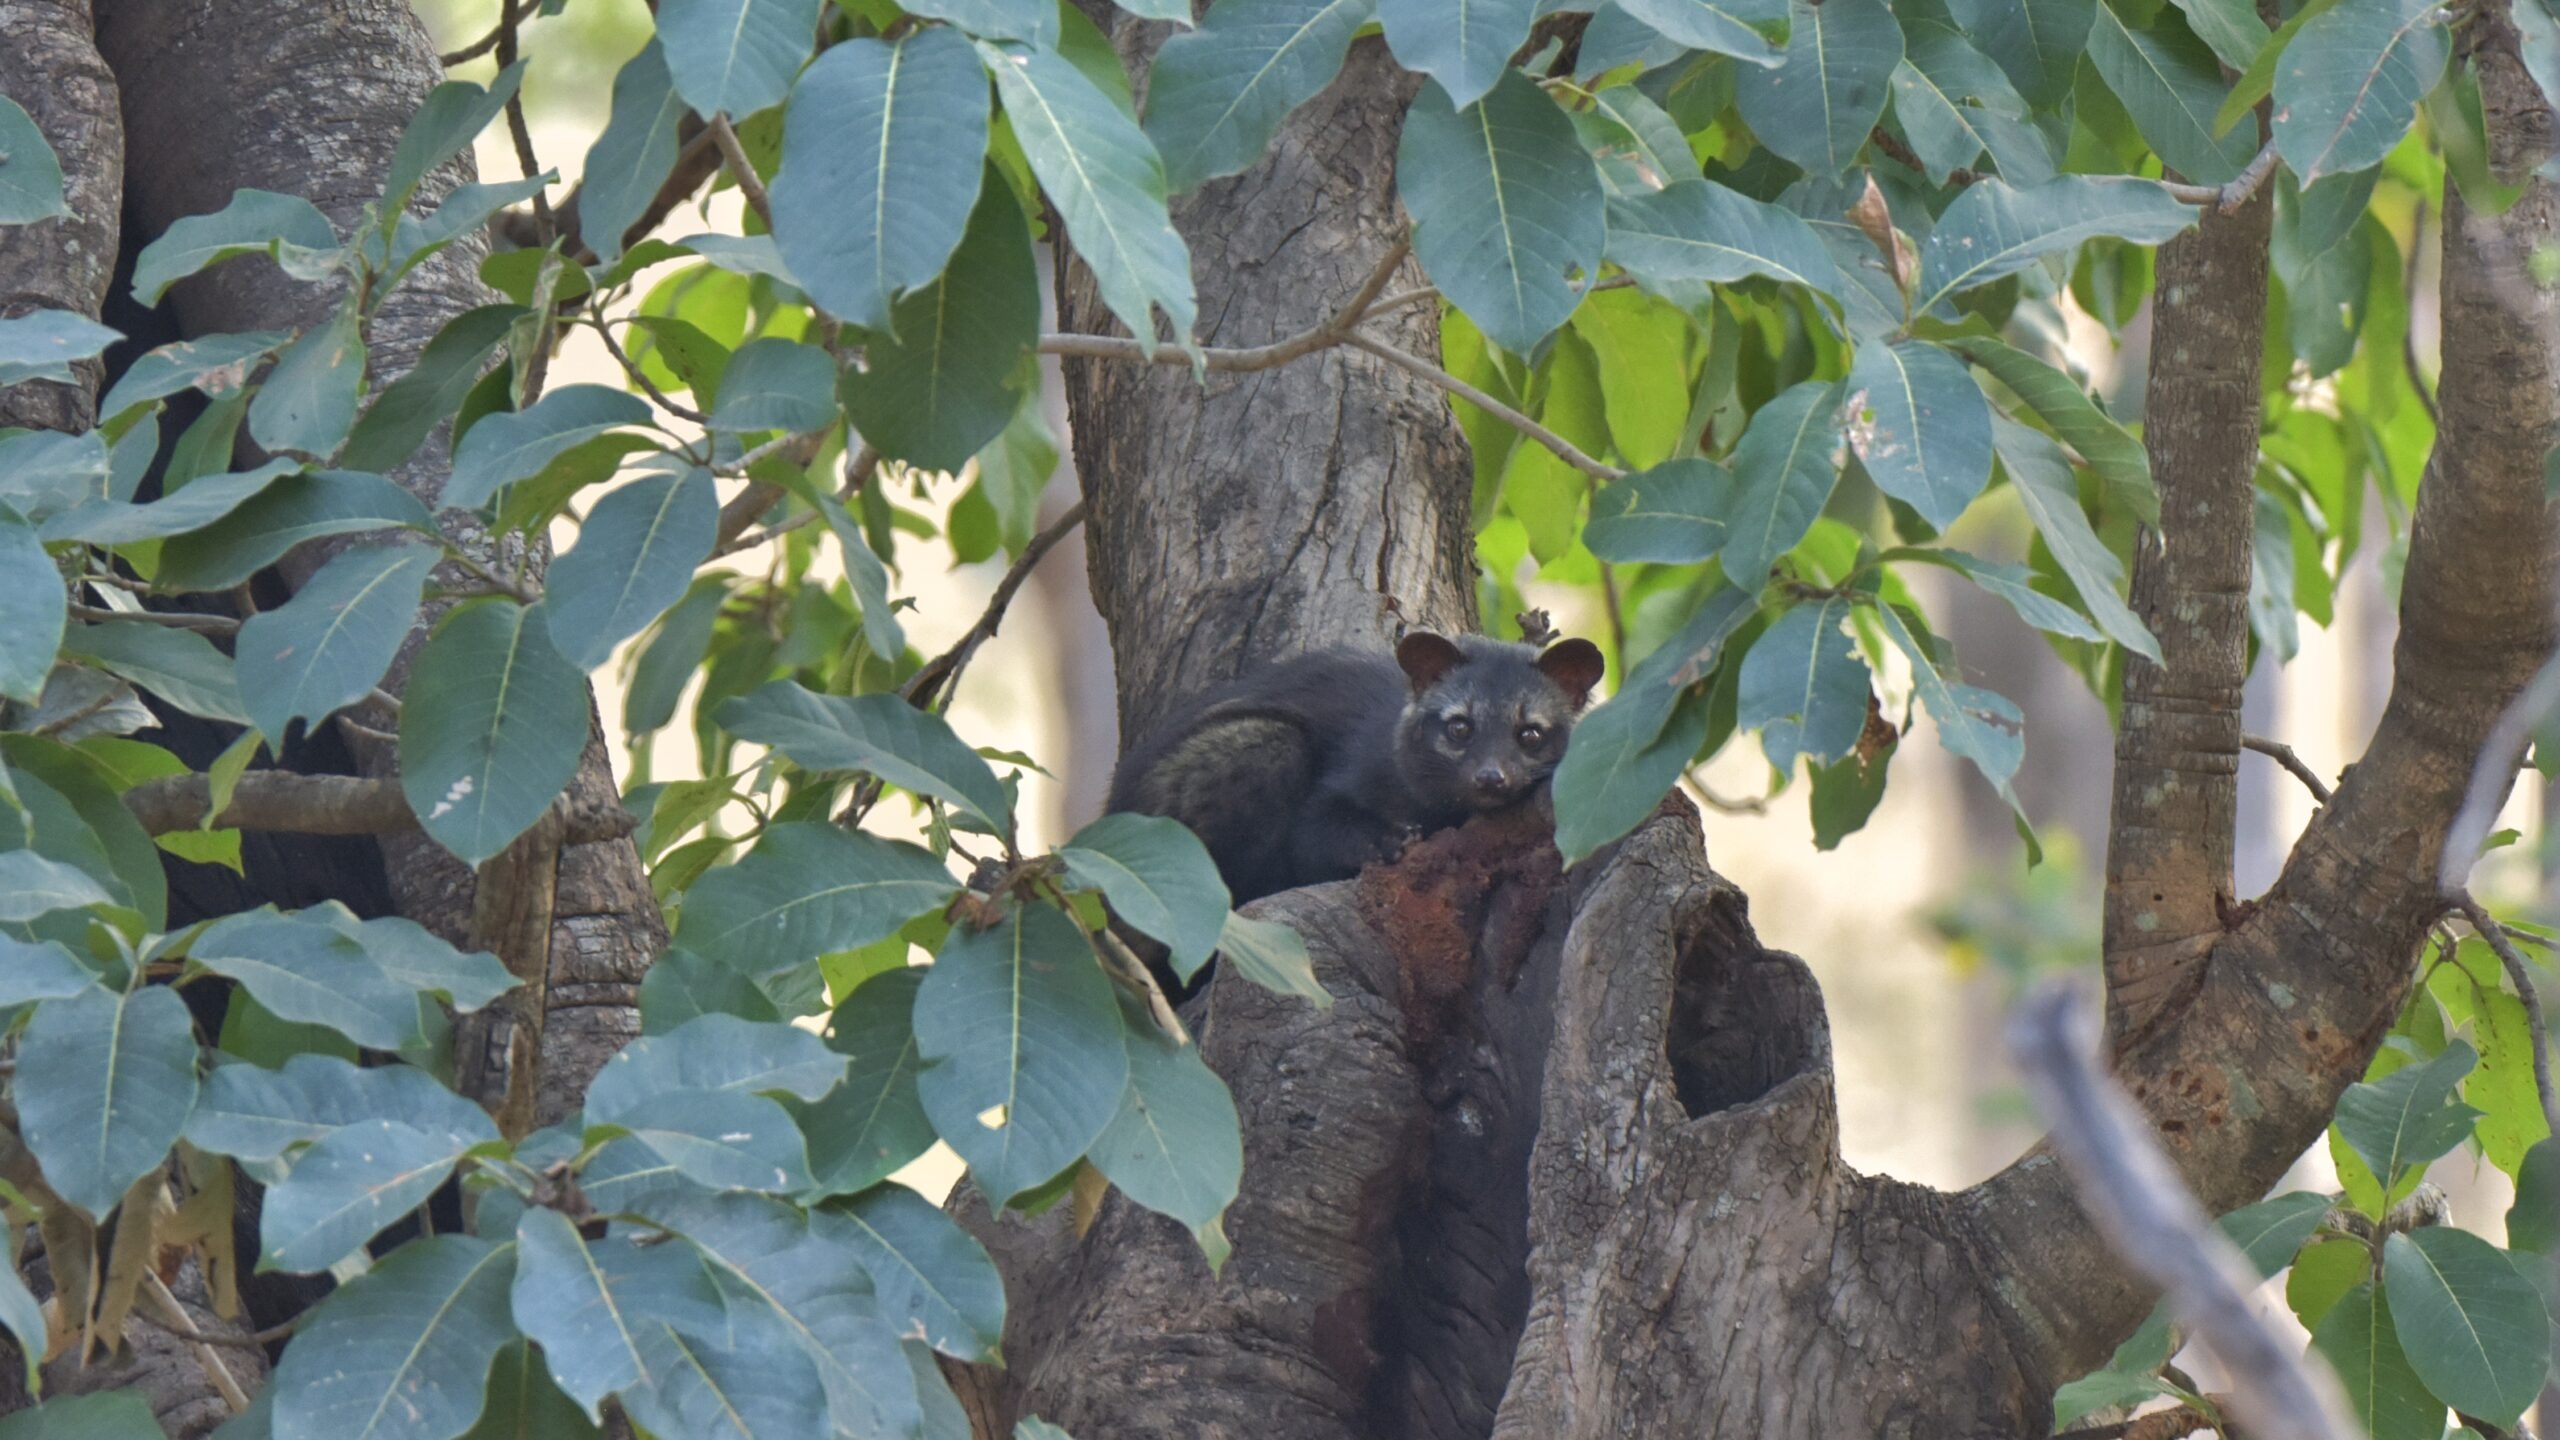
x=492 y=728
x=1697 y=230
x=808 y=889
x=306 y=971
x=2348 y=86
x=1034 y=22
x=667 y=663
x=735 y=57
x=2471 y=1324
x=345 y=1189
x=1174 y=1145
x=636 y=554
x=1784 y=466
x=1021 y=1040
x=1974 y=723
x=759 y=1386
x=1953 y=102
x=2171 y=85
x=879 y=734
x=2360 y=1340
x=215 y=364
x=2533 y=1221
x=931 y=1278
x=293 y=509
x=587 y=1302
x=179 y=666
x=1672 y=514
x=1995 y=229
x=776 y=384
x=1217 y=96
x=515 y=445
x=1505 y=200
x=31 y=885
x=1921 y=427
x=256 y=1115
x=865 y=1129
x=33 y=610
x=634 y=153
x=2014 y=584
x=67 y=809
x=332 y=642
x=2038 y=42
x=112 y=1415
x=106 y=1084
x=31 y=971
x=1272 y=956
x=873 y=192
x=30 y=173
x=1097 y=167
x=1803 y=687
x=42 y=471
x=2043 y=479
x=405 y=410
x=1817 y=109
x=950 y=377
x=2404 y=1118
x=450 y=118
x=1466 y=45
x=43 y=344
x=256 y=222
x=1157 y=876
x=401 y=1352
x=1622 y=759
x=524 y=1403
x=715 y=1052
x=723 y=1139
x=1728 y=27
x=201 y=503
x=2118 y=459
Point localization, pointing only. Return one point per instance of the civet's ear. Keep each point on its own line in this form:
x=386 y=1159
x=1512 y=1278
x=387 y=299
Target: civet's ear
x=1575 y=666
x=1426 y=657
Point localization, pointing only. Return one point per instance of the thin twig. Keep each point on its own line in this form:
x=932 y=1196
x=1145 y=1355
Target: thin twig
x=742 y=169
x=1726 y=804
x=175 y=620
x=639 y=377
x=2283 y=755
x=2132 y=1192
x=2409 y=333
x=2520 y=975
x=942 y=672
x=156 y=1291
x=1356 y=309
x=2251 y=176
x=765 y=536
x=513 y=15
x=1564 y=449
x=544 y=227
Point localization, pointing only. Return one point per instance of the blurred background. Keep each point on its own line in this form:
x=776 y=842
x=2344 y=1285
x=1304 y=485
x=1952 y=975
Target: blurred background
x=1922 y=927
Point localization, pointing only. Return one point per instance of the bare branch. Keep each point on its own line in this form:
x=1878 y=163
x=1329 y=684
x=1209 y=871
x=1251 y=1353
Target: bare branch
x=174 y=619
x=942 y=672
x=274 y=800
x=2283 y=755
x=515 y=15
x=639 y=376
x=741 y=169
x=2155 y=1224
x=156 y=1291
x=1564 y=449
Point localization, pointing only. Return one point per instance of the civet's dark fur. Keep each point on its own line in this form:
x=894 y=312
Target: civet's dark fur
x=1308 y=769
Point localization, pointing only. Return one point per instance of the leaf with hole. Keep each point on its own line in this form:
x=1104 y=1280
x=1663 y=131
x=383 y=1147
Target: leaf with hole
x=1803 y=687
x=1920 y=426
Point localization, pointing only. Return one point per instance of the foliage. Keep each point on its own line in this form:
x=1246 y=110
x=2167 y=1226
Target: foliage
x=1778 y=290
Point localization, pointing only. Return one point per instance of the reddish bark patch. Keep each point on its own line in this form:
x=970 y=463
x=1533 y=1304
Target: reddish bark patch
x=1490 y=877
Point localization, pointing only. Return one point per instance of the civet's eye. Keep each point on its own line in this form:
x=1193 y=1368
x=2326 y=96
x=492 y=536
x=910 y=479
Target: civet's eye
x=1532 y=736
x=1458 y=728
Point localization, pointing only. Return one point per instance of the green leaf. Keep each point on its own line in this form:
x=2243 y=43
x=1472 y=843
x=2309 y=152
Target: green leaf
x=1107 y=182
x=724 y=1140
x=2348 y=86
x=634 y=154
x=216 y=364
x=2322 y=1275
x=868 y=577
x=332 y=642
x=1175 y=1145
x=1697 y=230
x=2171 y=86
x=1803 y=687
x=2231 y=28
x=2104 y=1389
x=879 y=734
x=2271 y=1231
x=42 y=471
x=202 y=502
x=31 y=971
x=1021 y=1040
x=515 y=445
x=448 y=120
x=256 y=1115
x=2046 y=488
x=1995 y=229
x=1672 y=514
x=1817 y=109
x=1505 y=200
x=1034 y=22
x=1951 y=100
x=2014 y=584
x=2404 y=1119
x=951 y=376
x=808 y=889
x=30 y=173
x=351 y=1184
x=285 y=513
x=2471 y=1324
x=105 y=1084
x=776 y=384
x=1727 y=27
x=715 y=1052
x=1622 y=759
x=931 y=1278
x=66 y=807
x=43 y=344
x=1974 y=723
x=873 y=1123
x=2360 y=1340
x=1785 y=465
x=1272 y=956
x=735 y=57
x=2118 y=459
x=635 y=556
x=666 y=665
x=114 y=1415
x=2038 y=42
x=406 y=410
x=1466 y=45
x=401 y=1352
x=305 y=971
x=1920 y=426
x=2259 y=78
x=492 y=728
x=1217 y=96
x=585 y=1303
x=523 y=1403
x=33 y=610
x=256 y=222
x=23 y=1316
x=1158 y=877
x=760 y=1386
x=874 y=192
x=2533 y=1221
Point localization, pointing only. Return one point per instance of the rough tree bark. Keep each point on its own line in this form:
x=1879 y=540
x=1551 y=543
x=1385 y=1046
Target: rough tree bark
x=1563 y=1158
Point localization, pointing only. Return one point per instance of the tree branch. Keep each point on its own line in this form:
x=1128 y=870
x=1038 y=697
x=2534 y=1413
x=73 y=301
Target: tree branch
x=742 y=169
x=515 y=14
x=1564 y=449
x=2283 y=755
x=942 y=672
